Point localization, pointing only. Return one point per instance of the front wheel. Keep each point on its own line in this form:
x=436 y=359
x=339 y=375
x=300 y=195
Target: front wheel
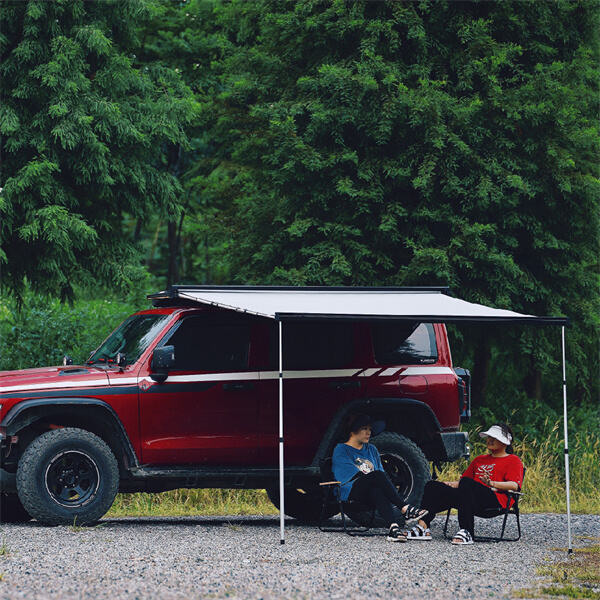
x=67 y=476
x=406 y=466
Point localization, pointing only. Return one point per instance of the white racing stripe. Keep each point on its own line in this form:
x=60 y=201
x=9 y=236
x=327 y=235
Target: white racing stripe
x=53 y=386
x=309 y=374
x=211 y=377
x=368 y=372
x=243 y=376
x=427 y=371
x=388 y=372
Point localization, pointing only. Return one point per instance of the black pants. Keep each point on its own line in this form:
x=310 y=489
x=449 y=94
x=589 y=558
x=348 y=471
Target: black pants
x=470 y=497
x=377 y=491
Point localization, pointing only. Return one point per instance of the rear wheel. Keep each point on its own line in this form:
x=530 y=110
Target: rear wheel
x=11 y=510
x=303 y=504
x=67 y=476
x=406 y=466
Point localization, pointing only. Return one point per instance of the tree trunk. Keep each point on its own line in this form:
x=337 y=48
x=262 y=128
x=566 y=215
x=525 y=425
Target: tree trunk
x=481 y=367
x=532 y=382
x=173 y=242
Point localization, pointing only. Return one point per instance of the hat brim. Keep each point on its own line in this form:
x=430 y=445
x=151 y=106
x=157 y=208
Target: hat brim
x=497 y=435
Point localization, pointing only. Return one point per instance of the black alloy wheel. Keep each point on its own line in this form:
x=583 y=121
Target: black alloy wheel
x=72 y=478
x=399 y=472
x=67 y=476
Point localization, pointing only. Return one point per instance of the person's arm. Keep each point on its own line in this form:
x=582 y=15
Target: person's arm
x=503 y=486
x=377 y=461
x=343 y=465
x=511 y=478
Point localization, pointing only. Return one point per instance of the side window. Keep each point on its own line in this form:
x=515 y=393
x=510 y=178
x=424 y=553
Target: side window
x=404 y=343
x=314 y=345
x=203 y=345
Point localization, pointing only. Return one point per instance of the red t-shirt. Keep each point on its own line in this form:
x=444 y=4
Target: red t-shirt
x=505 y=468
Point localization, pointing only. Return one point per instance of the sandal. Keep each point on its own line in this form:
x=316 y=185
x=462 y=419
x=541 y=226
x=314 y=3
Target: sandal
x=414 y=512
x=419 y=533
x=462 y=538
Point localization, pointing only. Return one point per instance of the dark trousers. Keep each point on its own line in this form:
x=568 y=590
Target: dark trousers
x=377 y=491
x=470 y=497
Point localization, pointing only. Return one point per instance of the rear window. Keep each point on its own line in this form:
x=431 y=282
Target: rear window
x=314 y=345
x=404 y=343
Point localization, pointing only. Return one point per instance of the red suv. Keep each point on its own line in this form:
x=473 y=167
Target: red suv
x=186 y=396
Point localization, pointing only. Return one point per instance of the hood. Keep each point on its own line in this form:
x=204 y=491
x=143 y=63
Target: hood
x=31 y=381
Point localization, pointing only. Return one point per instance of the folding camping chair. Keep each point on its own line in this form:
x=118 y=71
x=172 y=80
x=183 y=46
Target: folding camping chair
x=490 y=513
x=332 y=501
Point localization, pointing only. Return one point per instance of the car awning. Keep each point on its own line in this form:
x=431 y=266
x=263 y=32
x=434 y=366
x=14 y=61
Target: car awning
x=429 y=304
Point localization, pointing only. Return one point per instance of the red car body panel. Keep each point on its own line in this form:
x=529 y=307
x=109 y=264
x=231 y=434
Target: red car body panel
x=209 y=418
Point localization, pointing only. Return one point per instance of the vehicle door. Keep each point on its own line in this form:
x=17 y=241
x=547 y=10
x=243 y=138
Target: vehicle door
x=320 y=375
x=205 y=413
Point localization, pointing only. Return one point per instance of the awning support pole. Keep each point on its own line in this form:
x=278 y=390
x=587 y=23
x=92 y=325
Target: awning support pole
x=281 y=475
x=564 y=384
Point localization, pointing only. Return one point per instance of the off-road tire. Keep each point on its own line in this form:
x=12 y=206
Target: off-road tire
x=11 y=510
x=45 y=464
x=302 y=504
x=407 y=467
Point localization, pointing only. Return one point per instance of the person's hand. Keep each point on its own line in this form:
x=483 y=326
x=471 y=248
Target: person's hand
x=485 y=479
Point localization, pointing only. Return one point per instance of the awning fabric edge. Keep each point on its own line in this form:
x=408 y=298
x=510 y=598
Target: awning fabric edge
x=194 y=294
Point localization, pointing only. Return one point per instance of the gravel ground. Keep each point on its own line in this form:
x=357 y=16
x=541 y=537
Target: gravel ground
x=240 y=557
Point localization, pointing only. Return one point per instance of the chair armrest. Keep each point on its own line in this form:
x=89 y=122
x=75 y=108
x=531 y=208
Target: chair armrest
x=330 y=483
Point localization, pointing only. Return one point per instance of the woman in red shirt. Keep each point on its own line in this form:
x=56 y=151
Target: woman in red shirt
x=478 y=489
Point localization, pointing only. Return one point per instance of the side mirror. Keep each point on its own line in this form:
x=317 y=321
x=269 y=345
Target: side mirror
x=163 y=359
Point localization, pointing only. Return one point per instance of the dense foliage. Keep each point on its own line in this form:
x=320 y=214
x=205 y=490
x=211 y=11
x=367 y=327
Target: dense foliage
x=339 y=142
x=83 y=135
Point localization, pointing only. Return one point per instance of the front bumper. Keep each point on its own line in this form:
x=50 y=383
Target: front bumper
x=456 y=445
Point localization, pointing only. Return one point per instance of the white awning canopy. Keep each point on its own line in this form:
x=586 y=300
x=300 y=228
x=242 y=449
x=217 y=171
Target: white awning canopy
x=432 y=304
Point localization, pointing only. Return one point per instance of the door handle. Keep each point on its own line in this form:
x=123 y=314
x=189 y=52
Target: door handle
x=344 y=385
x=238 y=386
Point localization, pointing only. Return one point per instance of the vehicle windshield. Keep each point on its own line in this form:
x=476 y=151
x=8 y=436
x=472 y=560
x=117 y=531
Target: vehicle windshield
x=132 y=337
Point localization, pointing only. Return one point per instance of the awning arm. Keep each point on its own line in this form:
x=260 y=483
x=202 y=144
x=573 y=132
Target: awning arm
x=567 y=478
x=281 y=474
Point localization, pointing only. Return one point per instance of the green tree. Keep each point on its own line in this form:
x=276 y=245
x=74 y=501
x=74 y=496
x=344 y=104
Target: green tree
x=434 y=143
x=83 y=136
x=183 y=35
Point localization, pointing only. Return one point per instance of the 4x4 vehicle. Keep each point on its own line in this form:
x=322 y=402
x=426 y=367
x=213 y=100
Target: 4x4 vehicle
x=184 y=395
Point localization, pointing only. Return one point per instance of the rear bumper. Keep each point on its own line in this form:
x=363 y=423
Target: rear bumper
x=456 y=445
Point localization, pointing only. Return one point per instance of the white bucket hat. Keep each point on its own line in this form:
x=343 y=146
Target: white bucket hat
x=498 y=434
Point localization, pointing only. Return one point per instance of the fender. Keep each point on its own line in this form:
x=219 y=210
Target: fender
x=29 y=411
x=407 y=416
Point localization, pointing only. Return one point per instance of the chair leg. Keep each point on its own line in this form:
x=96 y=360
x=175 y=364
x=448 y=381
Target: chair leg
x=502 y=538
x=446 y=524
x=346 y=528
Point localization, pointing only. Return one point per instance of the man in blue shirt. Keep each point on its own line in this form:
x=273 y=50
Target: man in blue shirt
x=357 y=465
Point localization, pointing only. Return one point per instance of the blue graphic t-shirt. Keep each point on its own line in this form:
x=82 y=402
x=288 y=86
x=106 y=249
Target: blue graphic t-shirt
x=348 y=461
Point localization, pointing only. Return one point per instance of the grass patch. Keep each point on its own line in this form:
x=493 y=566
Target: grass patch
x=576 y=577
x=184 y=502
